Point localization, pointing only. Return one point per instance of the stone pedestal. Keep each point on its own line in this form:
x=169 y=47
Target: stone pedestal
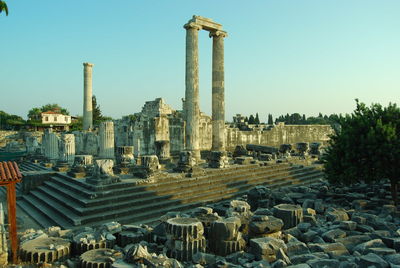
x=61 y=166
x=186 y=161
x=163 y=150
x=106 y=140
x=125 y=159
x=81 y=166
x=103 y=173
x=315 y=148
x=87 y=96
x=149 y=166
x=302 y=148
x=284 y=149
x=218 y=159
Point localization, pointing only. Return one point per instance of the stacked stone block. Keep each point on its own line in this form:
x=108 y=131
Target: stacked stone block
x=185 y=238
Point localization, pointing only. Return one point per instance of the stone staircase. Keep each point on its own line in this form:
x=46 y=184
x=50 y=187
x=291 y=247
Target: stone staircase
x=69 y=202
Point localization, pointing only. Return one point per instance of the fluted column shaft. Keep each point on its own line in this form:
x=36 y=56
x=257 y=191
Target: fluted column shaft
x=51 y=146
x=87 y=96
x=106 y=140
x=192 y=109
x=218 y=88
x=67 y=148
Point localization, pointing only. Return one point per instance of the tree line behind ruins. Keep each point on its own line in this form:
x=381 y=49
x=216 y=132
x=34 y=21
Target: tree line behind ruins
x=15 y=122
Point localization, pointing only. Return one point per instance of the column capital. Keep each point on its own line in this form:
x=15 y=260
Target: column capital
x=218 y=33
x=87 y=64
x=192 y=25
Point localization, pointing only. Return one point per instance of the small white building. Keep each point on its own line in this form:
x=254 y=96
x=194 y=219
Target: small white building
x=56 y=120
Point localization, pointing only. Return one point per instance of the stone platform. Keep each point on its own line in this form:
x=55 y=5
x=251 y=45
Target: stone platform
x=68 y=202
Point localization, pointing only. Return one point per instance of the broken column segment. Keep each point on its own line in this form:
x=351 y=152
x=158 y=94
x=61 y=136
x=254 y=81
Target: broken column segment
x=225 y=238
x=106 y=140
x=50 y=145
x=185 y=238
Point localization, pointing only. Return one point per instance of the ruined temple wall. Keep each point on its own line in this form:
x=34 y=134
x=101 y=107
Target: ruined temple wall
x=176 y=135
x=161 y=127
x=278 y=135
x=205 y=131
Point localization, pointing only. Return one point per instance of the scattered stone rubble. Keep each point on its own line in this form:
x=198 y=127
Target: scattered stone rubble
x=300 y=226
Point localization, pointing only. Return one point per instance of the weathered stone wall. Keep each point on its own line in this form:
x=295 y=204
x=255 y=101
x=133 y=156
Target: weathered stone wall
x=278 y=135
x=177 y=135
x=158 y=121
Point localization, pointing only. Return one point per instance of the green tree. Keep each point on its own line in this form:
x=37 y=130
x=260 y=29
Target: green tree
x=366 y=148
x=251 y=119
x=96 y=110
x=270 y=119
x=10 y=121
x=3 y=7
x=257 y=119
x=76 y=125
x=34 y=113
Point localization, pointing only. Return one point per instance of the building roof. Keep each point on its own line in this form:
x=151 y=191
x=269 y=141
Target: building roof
x=9 y=172
x=51 y=112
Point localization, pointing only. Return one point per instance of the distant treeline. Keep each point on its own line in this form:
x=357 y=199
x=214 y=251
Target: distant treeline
x=297 y=119
x=10 y=121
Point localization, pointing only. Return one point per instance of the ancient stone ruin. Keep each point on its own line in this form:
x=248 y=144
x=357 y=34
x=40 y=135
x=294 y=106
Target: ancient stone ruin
x=178 y=188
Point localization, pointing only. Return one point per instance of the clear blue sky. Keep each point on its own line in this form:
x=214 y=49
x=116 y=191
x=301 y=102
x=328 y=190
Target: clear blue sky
x=281 y=56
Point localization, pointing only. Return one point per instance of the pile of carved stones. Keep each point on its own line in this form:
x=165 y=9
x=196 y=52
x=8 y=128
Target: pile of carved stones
x=300 y=226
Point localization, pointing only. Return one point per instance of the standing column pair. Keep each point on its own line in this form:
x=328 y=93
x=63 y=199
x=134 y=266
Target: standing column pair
x=192 y=109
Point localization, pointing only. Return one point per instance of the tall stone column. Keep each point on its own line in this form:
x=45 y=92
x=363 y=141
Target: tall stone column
x=218 y=88
x=106 y=140
x=67 y=148
x=87 y=96
x=192 y=109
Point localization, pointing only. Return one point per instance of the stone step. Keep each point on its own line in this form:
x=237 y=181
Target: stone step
x=127 y=189
x=28 y=167
x=45 y=211
x=72 y=204
x=36 y=214
x=59 y=211
x=151 y=216
x=71 y=185
x=193 y=196
x=53 y=199
x=63 y=193
x=172 y=188
x=147 y=203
